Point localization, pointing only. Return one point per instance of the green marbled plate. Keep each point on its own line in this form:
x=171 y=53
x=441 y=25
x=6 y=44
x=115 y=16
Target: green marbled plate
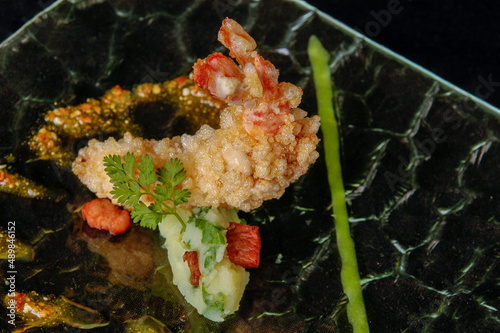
x=420 y=161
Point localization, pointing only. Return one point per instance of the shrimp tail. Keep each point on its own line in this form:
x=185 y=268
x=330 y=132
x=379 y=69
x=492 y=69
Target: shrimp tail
x=239 y=43
x=251 y=81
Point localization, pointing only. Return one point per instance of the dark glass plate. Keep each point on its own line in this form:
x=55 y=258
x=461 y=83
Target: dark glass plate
x=420 y=161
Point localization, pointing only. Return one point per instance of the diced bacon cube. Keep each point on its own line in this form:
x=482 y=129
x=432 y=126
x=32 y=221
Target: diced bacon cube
x=243 y=245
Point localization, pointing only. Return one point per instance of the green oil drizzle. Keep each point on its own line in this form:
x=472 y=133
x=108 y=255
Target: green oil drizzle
x=327 y=108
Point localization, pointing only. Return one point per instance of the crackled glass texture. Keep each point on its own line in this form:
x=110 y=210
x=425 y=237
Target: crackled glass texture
x=420 y=161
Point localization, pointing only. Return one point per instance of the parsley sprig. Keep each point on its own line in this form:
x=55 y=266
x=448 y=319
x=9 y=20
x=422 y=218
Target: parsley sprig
x=128 y=189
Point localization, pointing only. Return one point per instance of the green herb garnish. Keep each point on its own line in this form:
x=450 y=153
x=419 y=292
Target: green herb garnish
x=210 y=233
x=128 y=188
x=211 y=237
x=208 y=299
x=327 y=107
x=210 y=258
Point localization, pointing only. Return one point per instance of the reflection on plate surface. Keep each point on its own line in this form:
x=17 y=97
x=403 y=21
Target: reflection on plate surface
x=420 y=164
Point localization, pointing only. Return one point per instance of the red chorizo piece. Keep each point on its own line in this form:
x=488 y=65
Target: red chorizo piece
x=243 y=245
x=192 y=259
x=104 y=215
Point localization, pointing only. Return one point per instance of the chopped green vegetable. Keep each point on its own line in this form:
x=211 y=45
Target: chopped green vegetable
x=210 y=258
x=128 y=189
x=211 y=237
x=209 y=299
x=210 y=233
x=350 y=279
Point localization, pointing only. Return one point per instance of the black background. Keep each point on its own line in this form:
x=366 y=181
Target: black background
x=457 y=40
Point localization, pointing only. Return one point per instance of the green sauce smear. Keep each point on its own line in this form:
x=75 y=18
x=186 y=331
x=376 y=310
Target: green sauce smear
x=326 y=95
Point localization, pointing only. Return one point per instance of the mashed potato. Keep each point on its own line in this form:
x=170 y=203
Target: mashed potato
x=222 y=283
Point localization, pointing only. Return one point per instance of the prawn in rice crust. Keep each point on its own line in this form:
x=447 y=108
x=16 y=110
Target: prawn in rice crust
x=264 y=141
